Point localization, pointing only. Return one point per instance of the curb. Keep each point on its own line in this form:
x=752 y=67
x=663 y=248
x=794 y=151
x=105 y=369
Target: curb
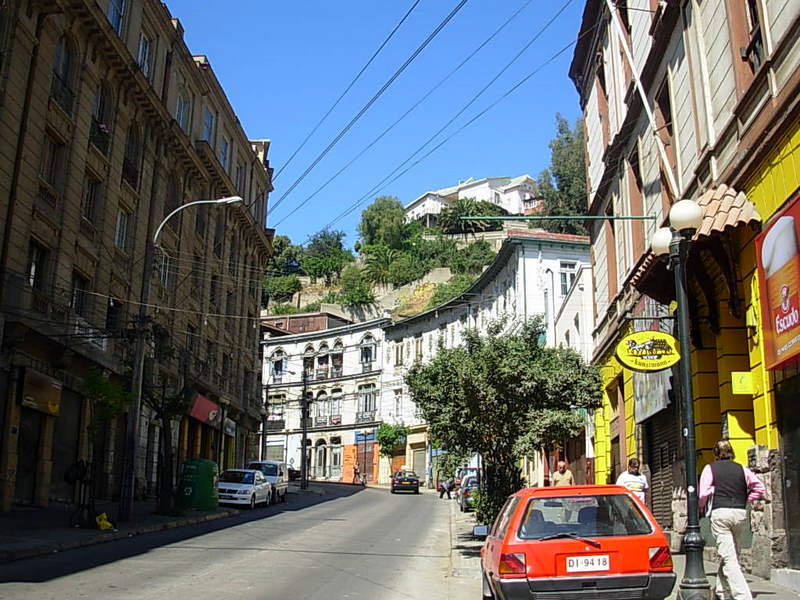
x=12 y=555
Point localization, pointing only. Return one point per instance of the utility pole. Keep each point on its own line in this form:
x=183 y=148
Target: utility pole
x=304 y=425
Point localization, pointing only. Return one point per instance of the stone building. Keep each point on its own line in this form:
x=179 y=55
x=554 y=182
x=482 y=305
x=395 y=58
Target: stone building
x=695 y=100
x=108 y=124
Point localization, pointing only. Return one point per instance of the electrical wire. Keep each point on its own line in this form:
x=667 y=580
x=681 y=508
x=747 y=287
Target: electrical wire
x=347 y=89
x=374 y=98
x=409 y=111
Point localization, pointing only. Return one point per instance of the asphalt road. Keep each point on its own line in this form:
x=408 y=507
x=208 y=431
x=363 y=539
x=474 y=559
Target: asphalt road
x=349 y=543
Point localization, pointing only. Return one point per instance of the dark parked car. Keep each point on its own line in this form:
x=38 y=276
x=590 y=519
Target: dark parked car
x=405 y=481
x=294 y=474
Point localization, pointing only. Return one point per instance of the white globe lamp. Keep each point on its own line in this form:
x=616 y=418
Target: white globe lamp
x=686 y=216
x=662 y=238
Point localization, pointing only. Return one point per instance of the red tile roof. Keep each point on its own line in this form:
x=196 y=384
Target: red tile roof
x=541 y=234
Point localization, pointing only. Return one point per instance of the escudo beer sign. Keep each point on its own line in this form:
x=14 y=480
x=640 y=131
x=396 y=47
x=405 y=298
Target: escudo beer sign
x=778 y=254
x=648 y=351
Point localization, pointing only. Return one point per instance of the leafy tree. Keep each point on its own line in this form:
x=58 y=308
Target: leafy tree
x=324 y=266
x=390 y=437
x=286 y=257
x=327 y=243
x=383 y=222
x=563 y=184
x=284 y=309
x=107 y=400
x=473 y=258
x=281 y=288
x=356 y=290
x=450 y=218
x=378 y=264
x=457 y=284
x=406 y=269
x=447 y=464
x=325 y=255
x=482 y=398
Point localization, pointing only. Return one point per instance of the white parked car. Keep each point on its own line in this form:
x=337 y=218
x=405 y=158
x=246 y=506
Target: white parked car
x=243 y=486
x=277 y=475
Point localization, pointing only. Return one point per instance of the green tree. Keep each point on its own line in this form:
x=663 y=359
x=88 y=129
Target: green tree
x=379 y=262
x=450 y=218
x=281 y=288
x=473 y=258
x=483 y=396
x=325 y=255
x=563 y=183
x=390 y=437
x=455 y=286
x=286 y=257
x=406 y=268
x=283 y=309
x=107 y=400
x=356 y=290
x=383 y=222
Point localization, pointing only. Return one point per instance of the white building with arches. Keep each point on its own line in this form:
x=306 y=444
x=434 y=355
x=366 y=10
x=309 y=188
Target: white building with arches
x=339 y=370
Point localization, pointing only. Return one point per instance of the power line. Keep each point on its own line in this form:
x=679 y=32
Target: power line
x=374 y=98
x=409 y=111
x=347 y=89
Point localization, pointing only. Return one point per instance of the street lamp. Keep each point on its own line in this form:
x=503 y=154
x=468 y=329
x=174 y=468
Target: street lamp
x=128 y=466
x=263 y=431
x=685 y=218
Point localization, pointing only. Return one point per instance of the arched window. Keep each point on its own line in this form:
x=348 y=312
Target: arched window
x=63 y=64
x=322 y=407
x=101 y=119
x=308 y=362
x=183 y=109
x=278 y=360
x=322 y=361
x=115 y=13
x=336 y=406
x=337 y=359
x=130 y=161
x=367 y=352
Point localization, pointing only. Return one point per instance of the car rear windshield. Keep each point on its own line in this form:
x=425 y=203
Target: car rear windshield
x=236 y=477
x=266 y=468
x=586 y=516
x=411 y=474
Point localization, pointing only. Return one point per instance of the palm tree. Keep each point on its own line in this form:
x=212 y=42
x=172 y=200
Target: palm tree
x=378 y=262
x=450 y=217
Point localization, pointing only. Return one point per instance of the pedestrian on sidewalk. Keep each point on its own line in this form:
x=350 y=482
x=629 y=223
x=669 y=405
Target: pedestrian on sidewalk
x=725 y=489
x=356 y=474
x=445 y=489
x=633 y=479
x=563 y=476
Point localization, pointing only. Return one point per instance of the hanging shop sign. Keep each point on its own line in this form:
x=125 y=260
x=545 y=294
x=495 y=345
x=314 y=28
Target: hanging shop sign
x=648 y=351
x=778 y=258
x=40 y=392
x=229 y=427
x=206 y=411
x=652 y=390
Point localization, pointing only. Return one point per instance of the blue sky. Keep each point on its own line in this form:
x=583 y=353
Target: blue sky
x=283 y=64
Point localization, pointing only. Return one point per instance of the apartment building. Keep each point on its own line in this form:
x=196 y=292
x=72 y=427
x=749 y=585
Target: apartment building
x=108 y=124
x=695 y=100
x=339 y=372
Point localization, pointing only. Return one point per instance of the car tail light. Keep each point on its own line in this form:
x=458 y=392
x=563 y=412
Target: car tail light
x=467 y=493
x=660 y=558
x=511 y=564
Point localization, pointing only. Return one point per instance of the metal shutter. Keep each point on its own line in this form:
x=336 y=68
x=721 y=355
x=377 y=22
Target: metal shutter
x=661 y=456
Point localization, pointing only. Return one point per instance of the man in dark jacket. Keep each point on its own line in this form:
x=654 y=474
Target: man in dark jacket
x=725 y=489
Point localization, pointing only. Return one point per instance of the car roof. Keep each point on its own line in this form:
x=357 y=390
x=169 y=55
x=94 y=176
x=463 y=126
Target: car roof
x=571 y=490
x=241 y=471
x=265 y=462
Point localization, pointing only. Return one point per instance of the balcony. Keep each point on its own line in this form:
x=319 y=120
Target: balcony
x=336 y=419
x=277 y=378
x=366 y=367
x=47 y=198
x=321 y=373
x=365 y=417
x=276 y=425
x=320 y=421
x=99 y=136
x=336 y=371
x=62 y=94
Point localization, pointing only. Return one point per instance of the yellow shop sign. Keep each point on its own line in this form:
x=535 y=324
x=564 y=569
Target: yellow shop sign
x=648 y=351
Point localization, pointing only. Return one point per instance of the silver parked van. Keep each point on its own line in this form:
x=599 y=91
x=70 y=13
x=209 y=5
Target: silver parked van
x=277 y=475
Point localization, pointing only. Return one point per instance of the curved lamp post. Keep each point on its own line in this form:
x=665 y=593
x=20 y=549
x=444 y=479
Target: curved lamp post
x=128 y=471
x=685 y=218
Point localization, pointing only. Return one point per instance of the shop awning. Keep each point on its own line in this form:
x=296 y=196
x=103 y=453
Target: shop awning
x=724 y=210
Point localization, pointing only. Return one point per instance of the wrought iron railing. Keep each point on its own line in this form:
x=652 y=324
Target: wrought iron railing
x=99 y=136
x=365 y=416
x=62 y=94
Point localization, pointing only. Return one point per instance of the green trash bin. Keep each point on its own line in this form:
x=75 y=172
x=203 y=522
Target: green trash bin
x=198 y=485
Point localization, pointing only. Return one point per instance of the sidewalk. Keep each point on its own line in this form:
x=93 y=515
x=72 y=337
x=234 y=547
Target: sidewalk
x=30 y=531
x=465 y=560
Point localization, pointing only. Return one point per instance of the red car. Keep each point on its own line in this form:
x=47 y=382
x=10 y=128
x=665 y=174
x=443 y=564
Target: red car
x=589 y=541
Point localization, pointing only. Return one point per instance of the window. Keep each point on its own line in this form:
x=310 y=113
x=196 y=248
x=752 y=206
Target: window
x=219 y=235
x=664 y=122
x=52 y=158
x=37 y=265
x=577 y=322
x=122 y=230
x=566 y=339
x=230 y=301
x=173 y=199
x=367 y=350
x=398 y=403
x=183 y=109
x=211 y=356
x=567 y=271
x=114 y=315
x=143 y=56
x=208 y=126
x=166 y=271
x=213 y=296
x=130 y=160
x=115 y=13
x=418 y=347
x=99 y=131
x=195 y=273
x=239 y=179
x=226 y=365
x=754 y=52
x=224 y=152
x=398 y=354
x=200 y=220
x=79 y=295
x=336 y=402
x=89 y=202
x=366 y=398
x=233 y=259
x=60 y=89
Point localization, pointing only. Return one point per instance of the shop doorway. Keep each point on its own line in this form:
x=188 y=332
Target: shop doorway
x=66 y=439
x=30 y=431
x=787 y=394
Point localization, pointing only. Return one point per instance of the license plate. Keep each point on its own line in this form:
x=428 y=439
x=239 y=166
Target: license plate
x=406 y=483
x=579 y=564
